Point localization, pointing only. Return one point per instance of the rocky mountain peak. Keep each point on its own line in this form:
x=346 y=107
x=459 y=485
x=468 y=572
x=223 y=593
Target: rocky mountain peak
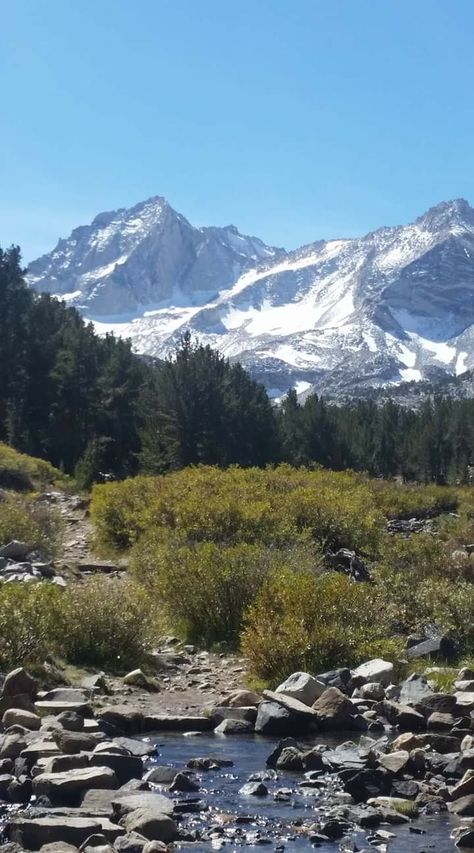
x=393 y=306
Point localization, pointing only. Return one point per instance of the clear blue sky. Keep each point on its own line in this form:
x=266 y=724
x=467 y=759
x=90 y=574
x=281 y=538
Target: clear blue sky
x=293 y=119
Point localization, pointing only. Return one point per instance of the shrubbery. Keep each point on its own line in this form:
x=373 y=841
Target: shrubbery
x=277 y=507
x=30 y=521
x=25 y=473
x=302 y=622
x=99 y=623
x=204 y=587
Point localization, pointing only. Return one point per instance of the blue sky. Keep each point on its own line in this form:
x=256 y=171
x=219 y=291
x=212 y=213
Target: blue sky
x=293 y=119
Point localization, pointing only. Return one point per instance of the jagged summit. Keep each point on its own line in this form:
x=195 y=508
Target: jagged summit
x=395 y=305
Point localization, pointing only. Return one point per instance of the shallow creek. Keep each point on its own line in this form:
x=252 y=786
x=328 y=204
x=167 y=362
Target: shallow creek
x=273 y=821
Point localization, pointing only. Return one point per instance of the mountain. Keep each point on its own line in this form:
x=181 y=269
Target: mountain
x=341 y=315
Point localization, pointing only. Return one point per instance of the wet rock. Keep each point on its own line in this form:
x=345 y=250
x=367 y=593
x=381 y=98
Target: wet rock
x=254 y=789
x=463 y=807
x=303 y=687
x=402 y=716
x=234 y=727
x=274 y=719
x=152 y=825
x=184 y=783
x=375 y=670
x=464 y=788
x=368 y=783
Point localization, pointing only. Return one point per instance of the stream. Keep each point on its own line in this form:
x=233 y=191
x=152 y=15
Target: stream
x=272 y=821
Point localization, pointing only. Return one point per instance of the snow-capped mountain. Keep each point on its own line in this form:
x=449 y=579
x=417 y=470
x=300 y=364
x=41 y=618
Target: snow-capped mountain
x=395 y=305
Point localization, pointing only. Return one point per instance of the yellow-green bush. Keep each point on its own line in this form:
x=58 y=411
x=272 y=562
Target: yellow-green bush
x=276 y=507
x=25 y=473
x=204 y=588
x=302 y=622
x=405 y=500
x=102 y=622
x=105 y=623
x=28 y=622
x=31 y=522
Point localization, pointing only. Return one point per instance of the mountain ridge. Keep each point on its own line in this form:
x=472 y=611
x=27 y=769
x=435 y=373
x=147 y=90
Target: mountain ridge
x=391 y=306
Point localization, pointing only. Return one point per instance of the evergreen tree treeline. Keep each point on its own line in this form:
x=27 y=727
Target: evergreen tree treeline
x=88 y=404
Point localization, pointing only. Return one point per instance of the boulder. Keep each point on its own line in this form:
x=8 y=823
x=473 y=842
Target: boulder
x=242 y=699
x=334 y=710
x=234 y=727
x=132 y=842
x=221 y=713
x=464 y=806
x=176 y=723
x=122 y=718
x=74 y=742
x=443 y=703
x=464 y=788
x=254 y=789
x=70 y=785
x=11 y=745
x=125 y=767
x=152 y=825
x=395 y=762
x=414 y=689
x=368 y=783
x=375 y=670
x=302 y=686
x=439 y=722
x=402 y=716
x=123 y=803
x=32 y=833
x=465 y=838
x=15 y=550
x=465 y=701
x=19 y=682
x=18 y=717
x=71 y=721
x=372 y=690
x=339 y=678
x=274 y=720
x=184 y=783
x=435 y=647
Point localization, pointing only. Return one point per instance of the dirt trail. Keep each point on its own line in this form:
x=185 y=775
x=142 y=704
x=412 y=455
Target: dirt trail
x=76 y=546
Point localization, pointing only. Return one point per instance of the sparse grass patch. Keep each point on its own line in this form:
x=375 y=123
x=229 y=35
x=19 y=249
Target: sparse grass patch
x=24 y=473
x=29 y=521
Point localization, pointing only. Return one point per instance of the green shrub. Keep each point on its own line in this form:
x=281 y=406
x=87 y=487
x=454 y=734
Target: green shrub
x=276 y=507
x=406 y=500
x=204 y=588
x=30 y=521
x=28 y=623
x=301 y=622
x=104 y=622
x=25 y=473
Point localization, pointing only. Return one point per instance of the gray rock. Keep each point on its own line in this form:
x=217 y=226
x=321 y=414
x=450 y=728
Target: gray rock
x=74 y=742
x=334 y=709
x=183 y=783
x=375 y=670
x=125 y=767
x=137 y=678
x=234 y=727
x=33 y=833
x=464 y=806
x=254 y=789
x=401 y=715
x=151 y=824
x=132 y=842
x=302 y=686
x=372 y=690
x=15 y=550
x=64 y=787
x=18 y=682
x=275 y=720
x=71 y=721
x=18 y=717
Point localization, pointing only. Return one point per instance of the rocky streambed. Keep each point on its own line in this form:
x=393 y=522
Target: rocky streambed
x=345 y=761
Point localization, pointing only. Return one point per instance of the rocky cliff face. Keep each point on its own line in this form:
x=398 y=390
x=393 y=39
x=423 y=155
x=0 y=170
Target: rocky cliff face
x=396 y=305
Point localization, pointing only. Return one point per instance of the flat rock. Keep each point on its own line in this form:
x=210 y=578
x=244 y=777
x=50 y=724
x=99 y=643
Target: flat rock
x=464 y=701
x=33 y=833
x=395 y=762
x=122 y=717
x=175 y=723
x=61 y=787
x=122 y=804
